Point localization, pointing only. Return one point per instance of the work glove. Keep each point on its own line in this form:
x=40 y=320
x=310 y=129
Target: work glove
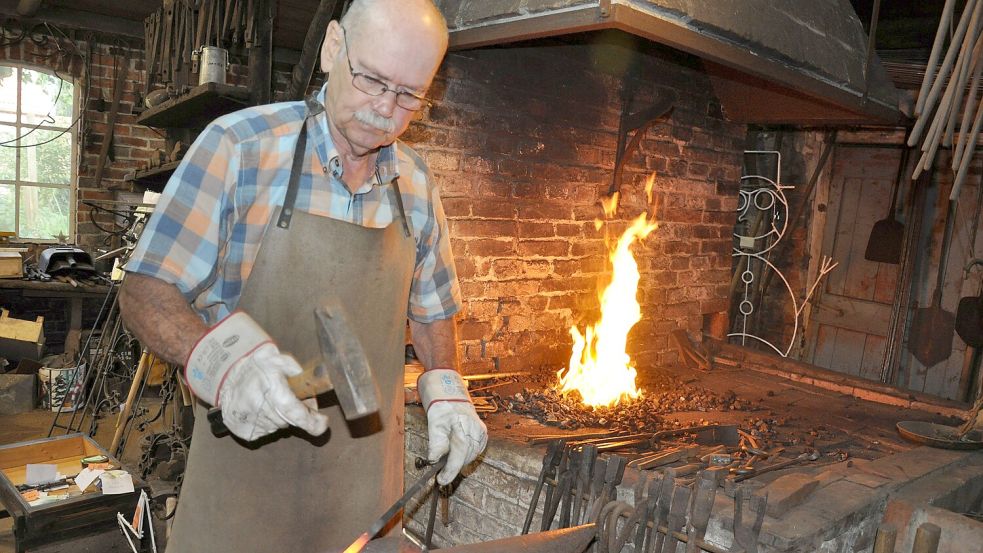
x=453 y=426
x=237 y=367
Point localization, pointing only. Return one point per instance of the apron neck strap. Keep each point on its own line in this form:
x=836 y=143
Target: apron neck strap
x=296 y=169
x=398 y=197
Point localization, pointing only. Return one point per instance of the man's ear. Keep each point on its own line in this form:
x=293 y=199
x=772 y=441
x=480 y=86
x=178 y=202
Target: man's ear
x=331 y=46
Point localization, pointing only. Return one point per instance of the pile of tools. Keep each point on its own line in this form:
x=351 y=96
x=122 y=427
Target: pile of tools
x=670 y=507
x=176 y=32
x=692 y=449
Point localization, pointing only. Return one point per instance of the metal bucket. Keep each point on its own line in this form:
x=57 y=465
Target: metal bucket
x=213 y=65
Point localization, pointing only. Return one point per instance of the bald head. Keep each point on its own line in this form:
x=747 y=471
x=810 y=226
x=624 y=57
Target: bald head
x=369 y=15
x=394 y=44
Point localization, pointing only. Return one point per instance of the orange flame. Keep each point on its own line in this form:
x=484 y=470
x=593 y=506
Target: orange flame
x=600 y=368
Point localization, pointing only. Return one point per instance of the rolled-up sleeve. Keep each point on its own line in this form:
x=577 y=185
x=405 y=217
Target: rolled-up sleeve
x=182 y=240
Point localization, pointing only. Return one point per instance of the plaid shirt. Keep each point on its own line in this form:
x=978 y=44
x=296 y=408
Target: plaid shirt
x=205 y=232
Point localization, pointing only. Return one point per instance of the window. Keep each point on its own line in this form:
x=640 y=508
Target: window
x=37 y=154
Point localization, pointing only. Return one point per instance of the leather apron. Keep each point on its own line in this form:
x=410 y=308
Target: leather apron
x=290 y=492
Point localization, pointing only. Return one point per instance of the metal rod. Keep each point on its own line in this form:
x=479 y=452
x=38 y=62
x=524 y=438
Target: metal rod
x=871 y=37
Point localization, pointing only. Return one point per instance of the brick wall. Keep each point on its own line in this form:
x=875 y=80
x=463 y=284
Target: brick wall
x=522 y=141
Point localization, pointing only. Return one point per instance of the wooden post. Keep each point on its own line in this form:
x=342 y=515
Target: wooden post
x=261 y=55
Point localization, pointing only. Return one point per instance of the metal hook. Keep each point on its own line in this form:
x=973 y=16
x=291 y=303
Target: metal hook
x=972 y=263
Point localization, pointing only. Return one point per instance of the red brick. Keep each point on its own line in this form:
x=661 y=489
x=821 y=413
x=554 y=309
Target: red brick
x=491 y=247
x=528 y=190
x=516 y=268
x=492 y=229
x=473 y=330
x=540 y=210
x=528 y=229
x=492 y=209
x=544 y=248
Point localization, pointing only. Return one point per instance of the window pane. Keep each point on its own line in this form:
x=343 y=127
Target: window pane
x=8 y=93
x=8 y=156
x=51 y=162
x=45 y=99
x=6 y=207
x=43 y=212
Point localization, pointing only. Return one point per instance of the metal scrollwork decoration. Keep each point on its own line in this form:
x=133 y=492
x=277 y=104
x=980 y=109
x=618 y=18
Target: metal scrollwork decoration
x=762 y=221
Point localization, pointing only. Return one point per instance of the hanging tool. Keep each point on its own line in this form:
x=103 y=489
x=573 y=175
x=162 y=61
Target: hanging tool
x=749 y=515
x=383 y=521
x=548 y=471
x=969 y=314
x=701 y=506
x=887 y=235
x=932 y=327
x=107 y=139
x=344 y=368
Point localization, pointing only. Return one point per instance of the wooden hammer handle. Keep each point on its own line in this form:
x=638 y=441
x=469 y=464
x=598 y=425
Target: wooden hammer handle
x=310 y=383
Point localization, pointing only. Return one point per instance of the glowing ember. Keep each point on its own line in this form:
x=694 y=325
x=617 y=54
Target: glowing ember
x=600 y=368
x=359 y=544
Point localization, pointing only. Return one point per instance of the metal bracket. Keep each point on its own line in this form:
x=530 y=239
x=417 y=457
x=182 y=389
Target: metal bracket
x=639 y=123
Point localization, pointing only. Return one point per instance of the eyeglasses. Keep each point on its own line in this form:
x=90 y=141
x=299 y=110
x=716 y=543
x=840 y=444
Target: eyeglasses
x=376 y=87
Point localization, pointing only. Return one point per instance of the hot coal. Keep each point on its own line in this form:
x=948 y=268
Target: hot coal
x=660 y=396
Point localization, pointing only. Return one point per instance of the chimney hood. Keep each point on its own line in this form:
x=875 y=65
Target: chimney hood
x=786 y=62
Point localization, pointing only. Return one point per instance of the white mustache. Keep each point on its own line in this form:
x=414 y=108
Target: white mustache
x=375 y=120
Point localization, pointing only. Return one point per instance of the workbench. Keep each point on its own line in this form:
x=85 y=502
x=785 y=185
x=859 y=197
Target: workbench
x=54 y=289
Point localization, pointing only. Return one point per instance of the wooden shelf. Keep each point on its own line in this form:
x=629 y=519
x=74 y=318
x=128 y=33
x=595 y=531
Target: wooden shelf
x=196 y=109
x=153 y=179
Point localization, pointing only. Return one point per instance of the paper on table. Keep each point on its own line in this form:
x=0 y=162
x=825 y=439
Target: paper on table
x=40 y=474
x=86 y=477
x=116 y=482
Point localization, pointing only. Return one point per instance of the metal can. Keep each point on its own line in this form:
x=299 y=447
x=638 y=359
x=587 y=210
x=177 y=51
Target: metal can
x=213 y=65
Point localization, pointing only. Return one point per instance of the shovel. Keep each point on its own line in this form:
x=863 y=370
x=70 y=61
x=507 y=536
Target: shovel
x=932 y=327
x=969 y=315
x=887 y=235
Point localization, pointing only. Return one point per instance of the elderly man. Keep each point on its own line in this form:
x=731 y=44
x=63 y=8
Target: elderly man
x=275 y=209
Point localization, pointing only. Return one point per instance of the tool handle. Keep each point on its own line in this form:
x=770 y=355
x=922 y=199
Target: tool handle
x=310 y=383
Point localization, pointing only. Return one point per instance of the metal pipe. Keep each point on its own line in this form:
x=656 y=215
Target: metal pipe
x=871 y=38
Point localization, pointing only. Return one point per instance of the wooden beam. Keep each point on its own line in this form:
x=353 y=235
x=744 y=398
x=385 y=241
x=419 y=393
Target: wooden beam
x=67 y=18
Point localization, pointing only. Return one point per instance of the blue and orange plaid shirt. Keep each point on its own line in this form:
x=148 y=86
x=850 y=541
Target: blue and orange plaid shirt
x=205 y=232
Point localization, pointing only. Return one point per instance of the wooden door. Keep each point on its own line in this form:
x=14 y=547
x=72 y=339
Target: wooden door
x=850 y=321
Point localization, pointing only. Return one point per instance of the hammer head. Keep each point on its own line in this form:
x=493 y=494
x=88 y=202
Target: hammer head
x=345 y=363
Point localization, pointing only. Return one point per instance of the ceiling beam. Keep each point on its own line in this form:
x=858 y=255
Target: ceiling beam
x=67 y=18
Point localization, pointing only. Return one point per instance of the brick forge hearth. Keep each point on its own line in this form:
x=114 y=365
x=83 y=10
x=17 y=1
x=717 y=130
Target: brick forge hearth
x=841 y=514
x=522 y=143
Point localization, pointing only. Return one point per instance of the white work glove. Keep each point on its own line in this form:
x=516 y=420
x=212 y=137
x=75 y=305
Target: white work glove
x=236 y=366
x=453 y=426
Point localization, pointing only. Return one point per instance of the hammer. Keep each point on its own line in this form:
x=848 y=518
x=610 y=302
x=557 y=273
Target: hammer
x=344 y=368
